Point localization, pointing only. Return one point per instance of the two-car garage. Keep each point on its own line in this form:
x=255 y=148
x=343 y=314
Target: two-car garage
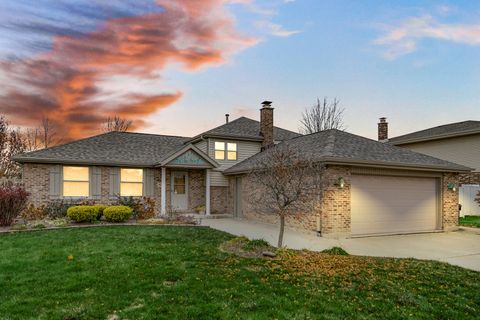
x=383 y=204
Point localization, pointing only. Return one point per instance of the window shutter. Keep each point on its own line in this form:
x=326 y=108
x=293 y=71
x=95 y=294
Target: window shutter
x=148 y=182
x=114 y=182
x=96 y=183
x=55 y=187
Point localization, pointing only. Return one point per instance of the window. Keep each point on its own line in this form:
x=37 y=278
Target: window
x=220 y=150
x=179 y=184
x=131 y=182
x=231 y=151
x=225 y=148
x=76 y=182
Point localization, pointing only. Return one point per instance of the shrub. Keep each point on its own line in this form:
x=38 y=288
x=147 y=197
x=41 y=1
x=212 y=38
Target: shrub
x=99 y=208
x=336 y=251
x=34 y=213
x=254 y=244
x=117 y=213
x=143 y=208
x=13 y=199
x=82 y=213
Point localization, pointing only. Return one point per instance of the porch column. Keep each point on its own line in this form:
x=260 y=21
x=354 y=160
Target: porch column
x=207 y=192
x=163 y=197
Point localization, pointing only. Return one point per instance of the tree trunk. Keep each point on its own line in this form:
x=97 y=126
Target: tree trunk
x=282 y=229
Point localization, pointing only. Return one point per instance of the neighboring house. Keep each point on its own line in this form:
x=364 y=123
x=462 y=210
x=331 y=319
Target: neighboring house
x=385 y=189
x=456 y=142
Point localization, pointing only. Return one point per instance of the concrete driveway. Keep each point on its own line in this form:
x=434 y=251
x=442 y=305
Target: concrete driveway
x=458 y=248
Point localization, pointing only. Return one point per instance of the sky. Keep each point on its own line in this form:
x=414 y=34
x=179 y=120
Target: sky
x=178 y=66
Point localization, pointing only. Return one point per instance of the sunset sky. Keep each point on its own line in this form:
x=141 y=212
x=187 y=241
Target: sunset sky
x=177 y=66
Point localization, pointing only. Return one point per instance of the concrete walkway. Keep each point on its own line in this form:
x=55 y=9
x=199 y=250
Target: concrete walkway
x=460 y=248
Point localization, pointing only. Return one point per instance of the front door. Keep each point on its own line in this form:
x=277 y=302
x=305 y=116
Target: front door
x=179 y=191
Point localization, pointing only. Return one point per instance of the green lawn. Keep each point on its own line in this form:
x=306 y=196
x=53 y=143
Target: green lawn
x=470 y=221
x=148 y=272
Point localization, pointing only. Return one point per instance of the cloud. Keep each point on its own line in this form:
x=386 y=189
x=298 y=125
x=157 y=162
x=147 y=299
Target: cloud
x=65 y=83
x=404 y=38
x=276 y=29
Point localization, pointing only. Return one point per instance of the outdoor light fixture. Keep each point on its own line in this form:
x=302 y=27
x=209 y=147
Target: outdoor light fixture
x=341 y=182
x=452 y=186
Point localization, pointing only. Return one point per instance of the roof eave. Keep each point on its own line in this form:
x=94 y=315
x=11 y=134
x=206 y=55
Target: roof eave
x=433 y=138
x=376 y=164
x=84 y=162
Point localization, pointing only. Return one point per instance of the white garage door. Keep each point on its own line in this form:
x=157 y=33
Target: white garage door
x=383 y=204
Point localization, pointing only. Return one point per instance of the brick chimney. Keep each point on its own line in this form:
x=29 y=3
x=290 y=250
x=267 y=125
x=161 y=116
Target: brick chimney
x=383 y=129
x=266 y=124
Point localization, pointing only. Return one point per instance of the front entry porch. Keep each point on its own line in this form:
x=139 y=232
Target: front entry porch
x=186 y=181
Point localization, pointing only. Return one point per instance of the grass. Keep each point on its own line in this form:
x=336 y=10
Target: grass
x=148 y=272
x=470 y=221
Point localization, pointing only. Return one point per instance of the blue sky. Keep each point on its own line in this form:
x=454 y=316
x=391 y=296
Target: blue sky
x=415 y=62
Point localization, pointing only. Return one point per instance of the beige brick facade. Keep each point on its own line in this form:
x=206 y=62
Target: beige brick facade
x=450 y=209
x=469 y=178
x=334 y=210
x=36 y=178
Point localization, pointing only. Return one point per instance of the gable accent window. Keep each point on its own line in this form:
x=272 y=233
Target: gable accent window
x=76 y=182
x=225 y=150
x=131 y=182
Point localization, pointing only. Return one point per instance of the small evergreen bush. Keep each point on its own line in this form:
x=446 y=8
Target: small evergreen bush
x=82 y=213
x=117 y=213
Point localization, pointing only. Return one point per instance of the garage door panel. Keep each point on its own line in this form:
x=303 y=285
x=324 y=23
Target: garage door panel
x=382 y=204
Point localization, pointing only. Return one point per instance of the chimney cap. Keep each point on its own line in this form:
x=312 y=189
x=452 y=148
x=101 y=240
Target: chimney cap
x=383 y=119
x=267 y=104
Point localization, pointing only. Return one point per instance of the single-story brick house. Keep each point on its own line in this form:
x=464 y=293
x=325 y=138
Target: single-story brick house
x=386 y=189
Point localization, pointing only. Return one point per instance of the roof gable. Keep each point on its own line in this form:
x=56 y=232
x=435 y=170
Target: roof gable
x=189 y=156
x=440 y=132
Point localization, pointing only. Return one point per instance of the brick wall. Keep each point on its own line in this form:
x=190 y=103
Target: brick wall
x=449 y=202
x=36 y=178
x=335 y=209
x=469 y=178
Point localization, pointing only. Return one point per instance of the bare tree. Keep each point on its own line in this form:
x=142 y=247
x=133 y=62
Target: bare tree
x=322 y=116
x=291 y=184
x=116 y=124
x=32 y=139
x=48 y=132
x=11 y=143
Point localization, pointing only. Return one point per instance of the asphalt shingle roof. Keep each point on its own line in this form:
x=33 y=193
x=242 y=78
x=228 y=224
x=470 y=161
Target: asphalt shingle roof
x=114 y=148
x=444 y=131
x=342 y=147
x=247 y=128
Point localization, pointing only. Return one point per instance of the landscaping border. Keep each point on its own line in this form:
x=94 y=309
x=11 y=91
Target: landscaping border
x=104 y=225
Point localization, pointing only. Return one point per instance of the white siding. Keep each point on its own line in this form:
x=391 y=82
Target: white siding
x=462 y=150
x=245 y=149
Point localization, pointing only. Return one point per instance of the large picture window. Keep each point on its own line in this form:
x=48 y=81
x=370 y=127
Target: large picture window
x=131 y=182
x=76 y=182
x=225 y=150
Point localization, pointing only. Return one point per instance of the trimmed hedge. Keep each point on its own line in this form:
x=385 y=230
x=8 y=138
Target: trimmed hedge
x=117 y=213
x=83 y=213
